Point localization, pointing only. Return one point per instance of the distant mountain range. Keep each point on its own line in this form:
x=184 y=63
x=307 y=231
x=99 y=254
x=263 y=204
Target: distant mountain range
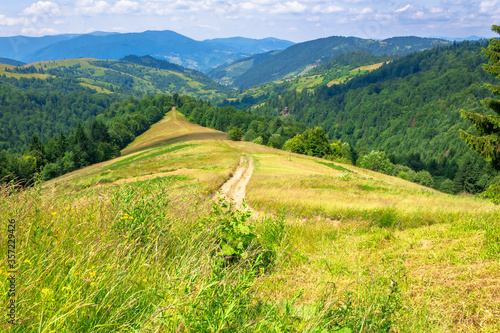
x=471 y=38
x=236 y=61
x=167 y=45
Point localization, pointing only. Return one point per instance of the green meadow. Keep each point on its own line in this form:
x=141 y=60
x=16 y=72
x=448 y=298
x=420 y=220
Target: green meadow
x=148 y=243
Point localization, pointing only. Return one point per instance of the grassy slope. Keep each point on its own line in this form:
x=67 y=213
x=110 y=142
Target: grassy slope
x=145 y=80
x=117 y=246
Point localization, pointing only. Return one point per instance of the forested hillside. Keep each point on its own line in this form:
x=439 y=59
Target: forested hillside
x=98 y=139
x=300 y=57
x=340 y=69
x=408 y=108
x=227 y=73
x=31 y=106
x=130 y=76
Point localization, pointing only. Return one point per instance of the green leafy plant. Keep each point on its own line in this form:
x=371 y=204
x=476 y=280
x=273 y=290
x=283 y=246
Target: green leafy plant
x=234 y=234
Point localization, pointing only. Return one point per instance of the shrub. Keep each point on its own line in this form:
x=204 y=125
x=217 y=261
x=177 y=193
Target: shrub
x=274 y=141
x=377 y=161
x=250 y=135
x=233 y=233
x=423 y=177
x=235 y=134
x=258 y=140
x=51 y=170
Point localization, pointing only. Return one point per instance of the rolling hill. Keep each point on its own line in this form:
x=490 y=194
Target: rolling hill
x=302 y=57
x=227 y=73
x=131 y=75
x=45 y=98
x=12 y=62
x=138 y=242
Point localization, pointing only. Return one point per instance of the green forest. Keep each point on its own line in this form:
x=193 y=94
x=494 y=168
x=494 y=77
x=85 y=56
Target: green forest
x=409 y=109
x=30 y=106
x=95 y=140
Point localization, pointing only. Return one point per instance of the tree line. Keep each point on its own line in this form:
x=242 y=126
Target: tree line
x=93 y=141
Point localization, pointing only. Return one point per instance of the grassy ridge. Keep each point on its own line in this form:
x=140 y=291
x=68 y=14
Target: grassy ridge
x=134 y=244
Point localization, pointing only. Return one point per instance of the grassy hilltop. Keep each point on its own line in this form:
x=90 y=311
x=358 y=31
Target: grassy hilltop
x=137 y=244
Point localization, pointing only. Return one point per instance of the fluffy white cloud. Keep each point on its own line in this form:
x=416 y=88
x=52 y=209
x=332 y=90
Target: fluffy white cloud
x=489 y=7
x=125 y=6
x=91 y=7
x=289 y=7
x=11 y=21
x=42 y=8
x=327 y=9
x=404 y=9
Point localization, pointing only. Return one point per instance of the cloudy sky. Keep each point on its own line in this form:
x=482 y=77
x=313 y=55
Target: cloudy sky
x=293 y=20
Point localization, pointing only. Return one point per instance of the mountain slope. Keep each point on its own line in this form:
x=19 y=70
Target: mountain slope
x=201 y=55
x=132 y=75
x=227 y=73
x=12 y=62
x=143 y=228
x=307 y=55
x=408 y=108
x=17 y=47
x=250 y=46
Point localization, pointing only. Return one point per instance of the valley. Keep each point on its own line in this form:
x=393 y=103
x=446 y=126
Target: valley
x=157 y=183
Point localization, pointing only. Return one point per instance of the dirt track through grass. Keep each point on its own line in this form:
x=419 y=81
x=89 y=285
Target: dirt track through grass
x=234 y=189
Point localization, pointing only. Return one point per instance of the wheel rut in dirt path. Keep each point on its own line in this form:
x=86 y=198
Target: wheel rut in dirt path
x=234 y=188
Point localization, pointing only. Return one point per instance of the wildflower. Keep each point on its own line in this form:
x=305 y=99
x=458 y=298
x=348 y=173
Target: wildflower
x=92 y=284
x=92 y=274
x=47 y=292
x=27 y=262
x=54 y=213
x=144 y=280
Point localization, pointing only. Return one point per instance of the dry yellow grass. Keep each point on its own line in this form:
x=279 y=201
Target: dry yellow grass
x=173 y=128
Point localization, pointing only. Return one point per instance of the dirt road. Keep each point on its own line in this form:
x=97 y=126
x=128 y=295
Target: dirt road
x=234 y=188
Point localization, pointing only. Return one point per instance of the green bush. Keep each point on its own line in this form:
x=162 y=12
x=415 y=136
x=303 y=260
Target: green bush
x=492 y=193
x=377 y=161
x=258 y=140
x=233 y=232
x=235 y=134
x=50 y=171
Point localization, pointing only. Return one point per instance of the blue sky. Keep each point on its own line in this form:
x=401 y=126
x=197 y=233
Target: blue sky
x=293 y=20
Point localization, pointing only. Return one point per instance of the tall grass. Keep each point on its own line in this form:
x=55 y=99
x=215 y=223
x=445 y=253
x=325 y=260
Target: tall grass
x=136 y=258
